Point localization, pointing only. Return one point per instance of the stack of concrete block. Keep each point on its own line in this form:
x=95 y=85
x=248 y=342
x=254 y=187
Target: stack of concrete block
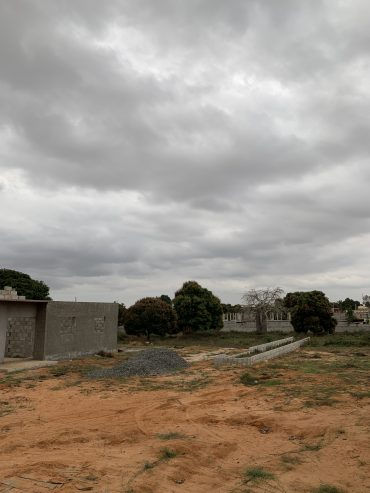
x=9 y=293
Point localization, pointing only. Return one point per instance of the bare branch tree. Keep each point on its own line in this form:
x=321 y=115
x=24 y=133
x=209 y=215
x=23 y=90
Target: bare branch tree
x=259 y=302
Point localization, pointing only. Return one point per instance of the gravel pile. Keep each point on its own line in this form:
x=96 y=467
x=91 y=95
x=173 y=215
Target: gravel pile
x=144 y=363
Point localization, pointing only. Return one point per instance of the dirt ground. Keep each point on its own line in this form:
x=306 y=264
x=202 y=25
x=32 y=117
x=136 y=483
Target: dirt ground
x=300 y=421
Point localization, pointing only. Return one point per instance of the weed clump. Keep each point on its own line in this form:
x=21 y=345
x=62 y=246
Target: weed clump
x=327 y=488
x=168 y=453
x=264 y=380
x=172 y=435
x=256 y=474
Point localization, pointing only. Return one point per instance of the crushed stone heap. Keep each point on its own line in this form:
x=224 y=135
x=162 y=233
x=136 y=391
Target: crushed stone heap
x=145 y=363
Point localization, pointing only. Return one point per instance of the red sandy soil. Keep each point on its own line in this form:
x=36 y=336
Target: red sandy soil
x=97 y=437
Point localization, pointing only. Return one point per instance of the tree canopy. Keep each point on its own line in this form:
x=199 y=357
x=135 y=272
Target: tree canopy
x=24 y=284
x=348 y=304
x=259 y=302
x=198 y=309
x=166 y=299
x=228 y=308
x=310 y=310
x=150 y=316
x=122 y=311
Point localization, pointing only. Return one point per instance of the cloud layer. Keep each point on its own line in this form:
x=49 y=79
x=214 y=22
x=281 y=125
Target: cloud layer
x=146 y=143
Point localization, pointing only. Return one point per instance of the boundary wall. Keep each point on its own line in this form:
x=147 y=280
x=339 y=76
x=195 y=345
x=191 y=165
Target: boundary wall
x=286 y=327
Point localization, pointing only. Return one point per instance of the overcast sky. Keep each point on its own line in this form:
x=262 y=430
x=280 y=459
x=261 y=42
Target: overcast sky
x=144 y=143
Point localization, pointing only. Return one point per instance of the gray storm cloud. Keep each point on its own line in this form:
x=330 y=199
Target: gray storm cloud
x=146 y=143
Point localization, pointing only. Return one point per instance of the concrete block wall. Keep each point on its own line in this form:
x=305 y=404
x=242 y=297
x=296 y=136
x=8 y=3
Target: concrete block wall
x=56 y=329
x=270 y=345
x=78 y=329
x=286 y=327
x=249 y=326
x=279 y=351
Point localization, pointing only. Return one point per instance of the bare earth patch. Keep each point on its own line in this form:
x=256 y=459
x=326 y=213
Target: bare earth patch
x=290 y=425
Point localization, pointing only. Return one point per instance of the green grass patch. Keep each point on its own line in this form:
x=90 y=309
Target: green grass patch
x=361 y=395
x=327 y=488
x=319 y=400
x=215 y=339
x=257 y=474
x=312 y=447
x=60 y=371
x=172 y=435
x=343 y=339
x=168 y=454
x=17 y=378
x=71 y=368
x=263 y=379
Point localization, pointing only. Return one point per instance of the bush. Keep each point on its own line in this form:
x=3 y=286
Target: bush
x=197 y=308
x=310 y=311
x=122 y=311
x=150 y=316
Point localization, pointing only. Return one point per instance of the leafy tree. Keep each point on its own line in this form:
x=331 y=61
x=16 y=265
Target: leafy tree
x=24 y=284
x=259 y=302
x=366 y=300
x=197 y=308
x=310 y=310
x=166 y=299
x=348 y=304
x=150 y=316
x=122 y=311
x=228 y=308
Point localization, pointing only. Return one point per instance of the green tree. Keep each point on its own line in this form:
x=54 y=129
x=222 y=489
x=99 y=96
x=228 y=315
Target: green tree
x=197 y=308
x=348 y=304
x=310 y=311
x=166 y=299
x=24 y=284
x=228 y=308
x=150 y=316
x=366 y=300
x=122 y=311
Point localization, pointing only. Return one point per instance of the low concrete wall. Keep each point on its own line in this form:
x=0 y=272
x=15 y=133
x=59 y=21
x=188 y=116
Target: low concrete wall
x=263 y=347
x=248 y=361
x=77 y=329
x=286 y=327
x=352 y=328
x=272 y=326
x=269 y=345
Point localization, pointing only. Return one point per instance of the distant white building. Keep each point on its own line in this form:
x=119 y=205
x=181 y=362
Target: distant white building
x=362 y=313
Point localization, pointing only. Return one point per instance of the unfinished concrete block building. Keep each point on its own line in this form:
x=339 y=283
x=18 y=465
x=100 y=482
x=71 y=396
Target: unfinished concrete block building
x=54 y=330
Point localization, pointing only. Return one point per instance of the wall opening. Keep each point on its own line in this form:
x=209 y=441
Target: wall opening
x=20 y=337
